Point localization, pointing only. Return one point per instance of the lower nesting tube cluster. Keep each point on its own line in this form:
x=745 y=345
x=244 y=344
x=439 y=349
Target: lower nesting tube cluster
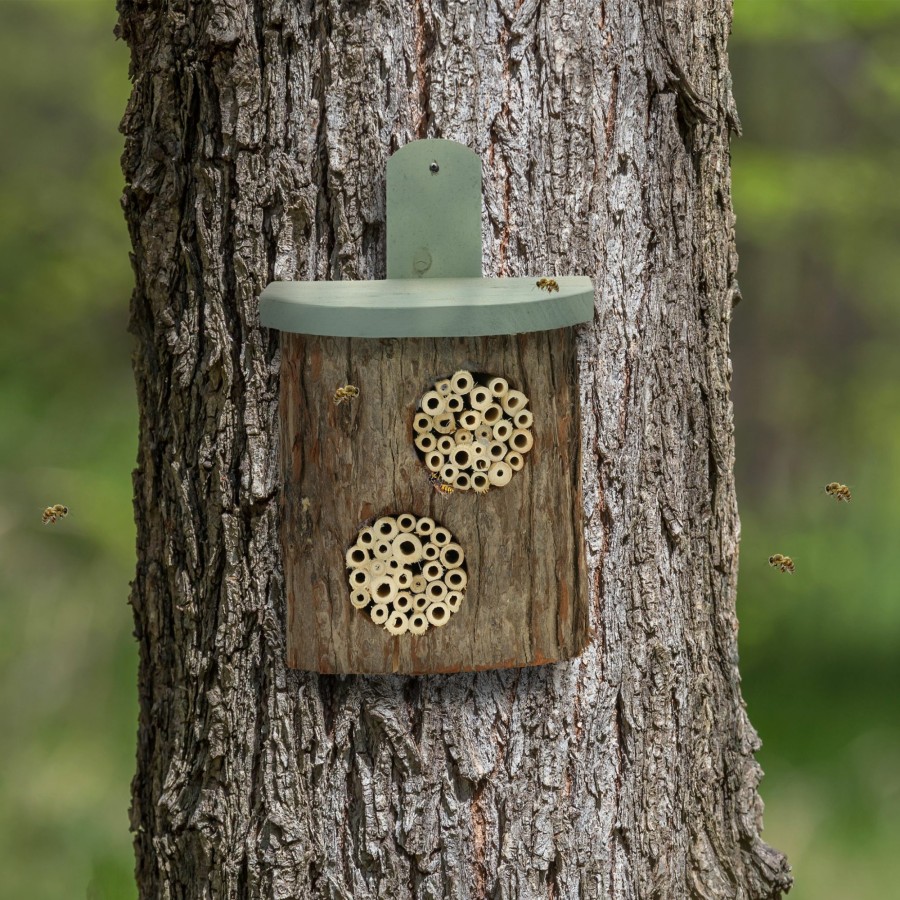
x=407 y=572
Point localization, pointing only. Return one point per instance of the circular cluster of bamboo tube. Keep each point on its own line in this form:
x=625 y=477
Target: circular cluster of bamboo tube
x=473 y=434
x=407 y=573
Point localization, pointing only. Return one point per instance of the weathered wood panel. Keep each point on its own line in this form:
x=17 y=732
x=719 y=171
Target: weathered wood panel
x=526 y=599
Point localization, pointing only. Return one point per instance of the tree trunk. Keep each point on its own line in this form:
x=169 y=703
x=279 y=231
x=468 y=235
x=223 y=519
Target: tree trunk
x=256 y=142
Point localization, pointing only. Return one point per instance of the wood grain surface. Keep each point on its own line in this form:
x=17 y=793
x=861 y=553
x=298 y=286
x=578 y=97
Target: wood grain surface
x=526 y=599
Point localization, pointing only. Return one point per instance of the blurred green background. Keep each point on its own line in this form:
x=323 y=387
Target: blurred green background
x=817 y=398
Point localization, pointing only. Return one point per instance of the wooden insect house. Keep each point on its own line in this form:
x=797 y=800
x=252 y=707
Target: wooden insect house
x=431 y=506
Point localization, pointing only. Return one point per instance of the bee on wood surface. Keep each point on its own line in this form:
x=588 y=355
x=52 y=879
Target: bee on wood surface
x=346 y=393
x=439 y=484
x=785 y=563
x=838 y=491
x=52 y=513
x=548 y=284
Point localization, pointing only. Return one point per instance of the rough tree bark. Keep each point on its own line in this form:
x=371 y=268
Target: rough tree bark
x=256 y=141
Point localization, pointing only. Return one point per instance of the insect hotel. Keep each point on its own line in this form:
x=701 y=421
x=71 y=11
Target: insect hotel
x=431 y=503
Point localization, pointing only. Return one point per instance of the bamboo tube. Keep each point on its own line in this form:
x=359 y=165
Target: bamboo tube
x=448 y=473
x=452 y=556
x=432 y=403
x=461 y=457
x=444 y=423
x=524 y=418
x=491 y=414
x=432 y=571
x=513 y=402
x=357 y=557
x=424 y=526
x=514 y=460
x=453 y=403
x=461 y=382
x=379 y=613
x=453 y=600
x=442 y=386
x=435 y=591
x=422 y=422
x=462 y=436
x=478 y=449
x=406 y=522
x=480 y=483
x=420 y=601
x=360 y=599
x=383 y=589
x=496 y=450
x=499 y=387
x=383 y=550
x=480 y=397
x=418 y=584
x=462 y=482
x=499 y=474
x=359 y=578
x=366 y=537
x=403 y=601
x=430 y=551
x=434 y=460
x=378 y=567
x=441 y=536
x=502 y=430
x=481 y=464
x=521 y=440
x=418 y=623
x=385 y=527
x=397 y=623
x=403 y=577
x=407 y=549
x=455 y=579
x=470 y=419
x=393 y=565
x=425 y=442
x=438 y=614
x=446 y=444
x=483 y=432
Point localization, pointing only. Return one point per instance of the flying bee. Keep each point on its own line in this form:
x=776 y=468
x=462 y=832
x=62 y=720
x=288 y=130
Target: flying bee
x=346 y=393
x=838 y=491
x=439 y=484
x=52 y=513
x=548 y=284
x=785 y=563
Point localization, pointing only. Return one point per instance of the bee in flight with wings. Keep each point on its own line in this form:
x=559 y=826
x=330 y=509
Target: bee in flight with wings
x=839 y=491
x=52 y=513
x=785 y=563
x=548 y=284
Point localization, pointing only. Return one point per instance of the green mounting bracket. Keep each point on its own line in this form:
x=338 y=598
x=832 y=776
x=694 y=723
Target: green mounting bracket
x=434 y=286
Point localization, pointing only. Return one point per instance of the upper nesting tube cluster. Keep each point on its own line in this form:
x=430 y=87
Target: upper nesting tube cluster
x=473 y=432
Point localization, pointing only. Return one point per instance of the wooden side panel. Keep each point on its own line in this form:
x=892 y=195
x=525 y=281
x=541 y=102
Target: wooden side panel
x=526 y=600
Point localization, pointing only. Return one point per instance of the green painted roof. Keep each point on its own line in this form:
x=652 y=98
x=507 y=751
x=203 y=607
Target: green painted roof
x=425 y=307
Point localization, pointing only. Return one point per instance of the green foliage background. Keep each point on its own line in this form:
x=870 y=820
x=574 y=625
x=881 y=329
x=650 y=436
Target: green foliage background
x=817 y=398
